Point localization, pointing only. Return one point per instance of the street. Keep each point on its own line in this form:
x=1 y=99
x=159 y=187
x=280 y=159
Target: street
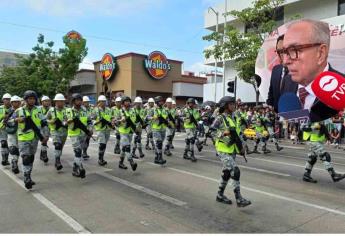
x=176 y=198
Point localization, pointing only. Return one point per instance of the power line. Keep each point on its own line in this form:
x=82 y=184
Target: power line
x=98 y=37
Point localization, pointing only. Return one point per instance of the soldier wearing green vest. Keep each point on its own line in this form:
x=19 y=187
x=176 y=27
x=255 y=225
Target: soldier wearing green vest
x=89 y=111
x=159 y=121
x=57 y=123
x=190 y=117
x=316 y=134
x=241 y=119
x=116 y=114
x=261 y=132
x=127 y=127
x=269 y=121
x=29 y=118
x=227 y=147
x=103 y=125
x=45 y=100
x=173 y=135
x=11 y=129
x=149 y=138
x=78 y=120
x=170 y=130
x=6 y=99
x=140 y=114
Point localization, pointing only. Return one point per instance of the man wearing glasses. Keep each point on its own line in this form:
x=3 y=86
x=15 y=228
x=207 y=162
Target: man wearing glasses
x=305 y=53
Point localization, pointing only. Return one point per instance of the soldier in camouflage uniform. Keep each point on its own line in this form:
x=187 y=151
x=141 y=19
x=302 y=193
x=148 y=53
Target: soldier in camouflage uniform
x=140 y=114
x=116 y=115
x=170 y=130
x=227 y=145
x=6 y=99
x=149 y=138
x=45 y=100
x=57 y=122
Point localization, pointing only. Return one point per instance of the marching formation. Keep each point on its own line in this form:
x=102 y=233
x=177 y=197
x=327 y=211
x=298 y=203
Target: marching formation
x=228 y=124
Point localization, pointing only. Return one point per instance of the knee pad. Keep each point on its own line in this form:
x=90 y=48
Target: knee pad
x=118 y=137
x=58 y=146
x=237 y=174
x=187 y=141
x=159 y=144
x=102 y=146
x=326 y=157
x=4 y=144
x=169 y=138
x=138 y=139
x=26 y=160
x=226 y=175
x=150 y=135
x=14 y=150
x=312 y=159
x=192 y=140
x=77 y=152
x=126 y=148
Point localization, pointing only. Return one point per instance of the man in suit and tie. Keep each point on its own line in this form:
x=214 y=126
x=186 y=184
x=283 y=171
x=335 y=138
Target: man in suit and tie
x=305 y=53
x=278 y=73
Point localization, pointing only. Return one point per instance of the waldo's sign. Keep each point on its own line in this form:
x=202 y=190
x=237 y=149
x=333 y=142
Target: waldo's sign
x=73 y=36
x=157 y=65
x=108 y=66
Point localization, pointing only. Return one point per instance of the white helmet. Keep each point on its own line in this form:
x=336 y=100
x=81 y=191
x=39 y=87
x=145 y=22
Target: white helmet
x=86 y=99
x=59 y=97
x=101 y=98
x=168 y=100
x=45 y=98
x=118 y=99
x=15 y=98
x=208 y=107
x=151 y=100
x=6 y=96
x=138 y=100
x=173 y=102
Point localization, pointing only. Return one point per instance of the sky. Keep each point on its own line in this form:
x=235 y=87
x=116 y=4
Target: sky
x=174 y=27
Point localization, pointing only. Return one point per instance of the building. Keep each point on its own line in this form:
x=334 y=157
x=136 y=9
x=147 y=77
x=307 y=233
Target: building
x=141 y=75
x=331 y=11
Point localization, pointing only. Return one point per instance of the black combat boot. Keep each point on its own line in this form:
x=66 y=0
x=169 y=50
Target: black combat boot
x=222 y=198
x=161 y=160
x=44 y=156
x=185 y=155
x=335 y=176
x=308 y=178
x=101 y=160
x=265 y=150
x=241 y=202
x=279 y=148
x=76 y=170
x=58 y=164
x=15 y=168
x=255 y=150
x=167 y=151
x=117 y=149
x=192 y=157
x=141 y=154
x=27 y=180
x=122 y=165
x=133 y=165
x=82 y=171
x=4 y=161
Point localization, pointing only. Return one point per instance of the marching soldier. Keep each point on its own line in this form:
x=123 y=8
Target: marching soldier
x=170 y=130
x=45 y=100
x=139 y=113
x=88 y=108
x=78 y=119
x=149 y=138
x=227 y=145
x=103 y=125
x=116 y=114
x=29 y=118
x=316 y=134
x=11 y=129
x=261 y=132
x=158 y=117
x=6 y=99
x=175 y=112
x=241 y=119
x=190 y=117
x=127 y=127
x=56 y=118
x=269 y=121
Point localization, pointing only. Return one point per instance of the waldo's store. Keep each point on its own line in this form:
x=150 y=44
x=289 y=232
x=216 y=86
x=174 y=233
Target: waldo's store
x=146 y=76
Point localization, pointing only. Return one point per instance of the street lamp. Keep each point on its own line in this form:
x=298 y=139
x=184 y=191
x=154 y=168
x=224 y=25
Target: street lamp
x=215 y=64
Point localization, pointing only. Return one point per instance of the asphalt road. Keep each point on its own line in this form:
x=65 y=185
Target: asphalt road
x=176 y=198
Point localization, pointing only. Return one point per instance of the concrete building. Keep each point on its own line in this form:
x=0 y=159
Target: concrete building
x=85 y=84
x=331 y=11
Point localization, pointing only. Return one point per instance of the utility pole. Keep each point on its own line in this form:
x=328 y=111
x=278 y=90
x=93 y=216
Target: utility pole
x=215 y=64
x=224 y=31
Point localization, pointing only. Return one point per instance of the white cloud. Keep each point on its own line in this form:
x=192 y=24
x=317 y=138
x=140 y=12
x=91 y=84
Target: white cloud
x=84 y=7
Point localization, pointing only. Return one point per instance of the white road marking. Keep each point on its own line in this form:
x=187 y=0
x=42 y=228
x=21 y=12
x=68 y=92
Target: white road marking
x=53 y=208
x=144 y=189
x=267 y=193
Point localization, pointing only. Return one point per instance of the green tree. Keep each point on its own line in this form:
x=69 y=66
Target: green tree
x=44 y=70
x=243 y=47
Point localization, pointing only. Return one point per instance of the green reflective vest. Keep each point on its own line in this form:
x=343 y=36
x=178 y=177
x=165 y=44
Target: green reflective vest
x=222 y=142
x=36 y=115
x=188 y=124
x=83 y=116
x=155 y=122
x=125 y=128
x=105 y=114
x=56 y=114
